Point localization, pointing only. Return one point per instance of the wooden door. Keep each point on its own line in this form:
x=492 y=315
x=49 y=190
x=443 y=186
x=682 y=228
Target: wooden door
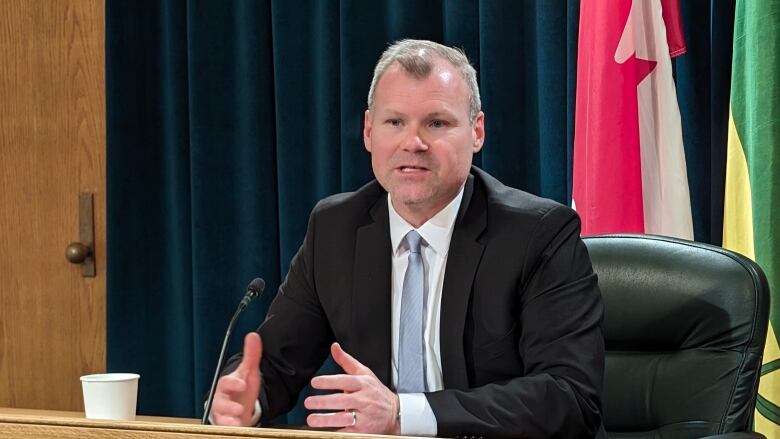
x=52 y=143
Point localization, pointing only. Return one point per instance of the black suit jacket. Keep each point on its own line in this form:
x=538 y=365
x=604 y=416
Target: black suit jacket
x=520 y=328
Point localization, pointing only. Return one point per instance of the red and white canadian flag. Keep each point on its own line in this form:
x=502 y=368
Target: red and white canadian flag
x=629 y=160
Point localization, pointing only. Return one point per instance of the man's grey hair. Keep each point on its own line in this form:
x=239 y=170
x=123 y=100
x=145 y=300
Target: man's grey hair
x=417 y=57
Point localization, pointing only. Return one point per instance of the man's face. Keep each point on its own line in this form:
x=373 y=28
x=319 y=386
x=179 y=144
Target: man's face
x=421 y=139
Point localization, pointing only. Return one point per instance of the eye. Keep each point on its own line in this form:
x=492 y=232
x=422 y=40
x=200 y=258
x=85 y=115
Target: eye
x=393 y=122
x=438 y=123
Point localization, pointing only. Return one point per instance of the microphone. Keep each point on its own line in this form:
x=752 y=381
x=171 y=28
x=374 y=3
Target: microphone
x=254 y=289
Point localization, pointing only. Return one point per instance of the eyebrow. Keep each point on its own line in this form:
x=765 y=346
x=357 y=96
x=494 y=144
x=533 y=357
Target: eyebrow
x=445 y=114
x=431 y=115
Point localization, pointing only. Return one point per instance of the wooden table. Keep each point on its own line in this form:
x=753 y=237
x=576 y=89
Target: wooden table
x=47 y=424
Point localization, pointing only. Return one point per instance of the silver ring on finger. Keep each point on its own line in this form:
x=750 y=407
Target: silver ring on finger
x=354 y=417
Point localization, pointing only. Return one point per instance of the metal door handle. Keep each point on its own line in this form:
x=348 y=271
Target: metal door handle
x=82 y=252
x=77 y=252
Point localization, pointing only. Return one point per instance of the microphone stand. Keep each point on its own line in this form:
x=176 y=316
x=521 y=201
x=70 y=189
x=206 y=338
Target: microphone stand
x=254 y=289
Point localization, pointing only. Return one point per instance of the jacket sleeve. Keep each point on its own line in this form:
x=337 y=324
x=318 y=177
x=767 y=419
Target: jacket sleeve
x=557 y=390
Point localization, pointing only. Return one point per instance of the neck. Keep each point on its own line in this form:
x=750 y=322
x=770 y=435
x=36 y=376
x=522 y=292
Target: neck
x=414 y=217
x=418 y=214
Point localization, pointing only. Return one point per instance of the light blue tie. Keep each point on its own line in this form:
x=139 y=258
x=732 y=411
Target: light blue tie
x=411 y=364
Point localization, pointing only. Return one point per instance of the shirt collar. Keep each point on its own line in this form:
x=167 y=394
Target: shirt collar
x=436 y=232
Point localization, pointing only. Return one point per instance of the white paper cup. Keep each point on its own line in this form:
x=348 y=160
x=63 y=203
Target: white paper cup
x=110 y=395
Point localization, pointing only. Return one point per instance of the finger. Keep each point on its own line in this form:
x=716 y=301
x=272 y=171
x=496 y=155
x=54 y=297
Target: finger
x=253 y=350
x=330 y=420
x=230 y=384
x=336 y=401
x=345 y=383
x=227 y=420
x=227 y=407
x=348 y=362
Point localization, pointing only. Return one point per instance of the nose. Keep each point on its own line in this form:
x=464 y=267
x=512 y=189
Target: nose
x=412 y=142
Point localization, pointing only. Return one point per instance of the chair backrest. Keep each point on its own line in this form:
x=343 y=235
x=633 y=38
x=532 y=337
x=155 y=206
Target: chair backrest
x=684 y=326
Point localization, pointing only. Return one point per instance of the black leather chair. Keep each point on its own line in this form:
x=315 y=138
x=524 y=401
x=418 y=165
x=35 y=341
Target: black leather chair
x=685 y=325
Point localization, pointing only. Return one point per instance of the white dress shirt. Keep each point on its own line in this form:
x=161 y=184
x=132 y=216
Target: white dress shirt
x=417 y=418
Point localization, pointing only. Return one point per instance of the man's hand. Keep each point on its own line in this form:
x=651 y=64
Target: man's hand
x=365 y=406
x=236 y=393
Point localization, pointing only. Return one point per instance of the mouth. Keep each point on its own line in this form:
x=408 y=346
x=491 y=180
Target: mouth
x=406 y=169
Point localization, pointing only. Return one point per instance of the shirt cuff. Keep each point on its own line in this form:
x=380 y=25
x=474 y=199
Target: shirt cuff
x=258 y=412
x=255 y=416
x=417 y=418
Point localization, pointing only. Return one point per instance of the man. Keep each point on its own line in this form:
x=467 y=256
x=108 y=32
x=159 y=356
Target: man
x=456 y=306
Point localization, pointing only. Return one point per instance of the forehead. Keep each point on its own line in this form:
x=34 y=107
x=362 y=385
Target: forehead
x=444 y=85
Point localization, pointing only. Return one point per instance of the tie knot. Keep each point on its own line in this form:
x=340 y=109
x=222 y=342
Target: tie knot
x=413 y=240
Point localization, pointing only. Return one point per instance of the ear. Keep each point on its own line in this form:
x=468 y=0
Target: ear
x=479 y=132
x=367 y=130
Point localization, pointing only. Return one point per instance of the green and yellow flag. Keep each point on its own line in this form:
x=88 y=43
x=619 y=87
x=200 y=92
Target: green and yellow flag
x=751 y=222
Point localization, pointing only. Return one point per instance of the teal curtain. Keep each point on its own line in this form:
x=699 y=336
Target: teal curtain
x=227 y=121
x=703 y=77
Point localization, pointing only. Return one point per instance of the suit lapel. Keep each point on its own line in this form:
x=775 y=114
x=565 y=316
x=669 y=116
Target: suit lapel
x=371 y=298
x=462 y=262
